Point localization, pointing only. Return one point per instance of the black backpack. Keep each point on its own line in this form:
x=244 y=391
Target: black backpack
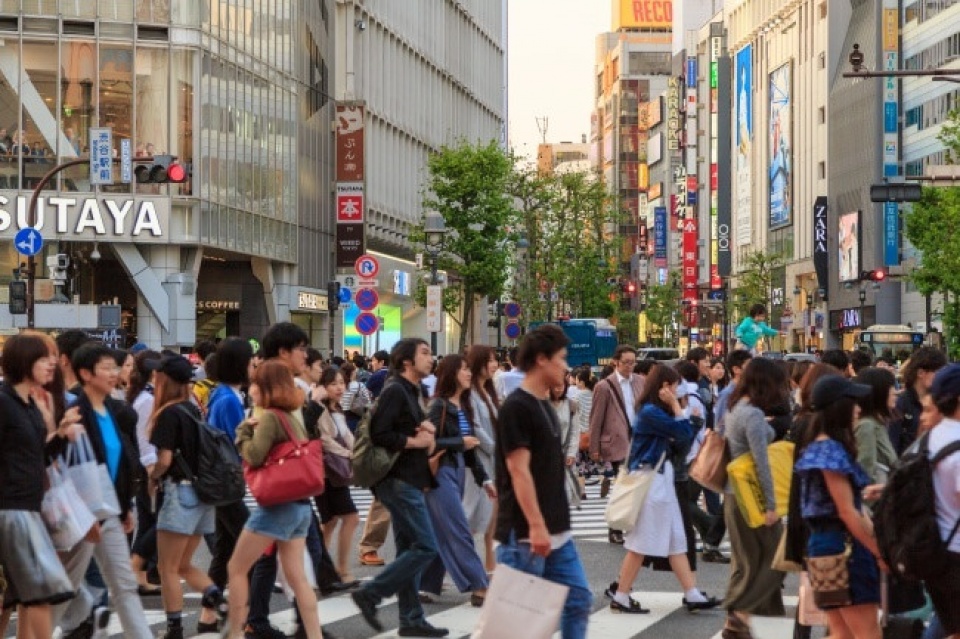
x=905 y=518
x=219 y=478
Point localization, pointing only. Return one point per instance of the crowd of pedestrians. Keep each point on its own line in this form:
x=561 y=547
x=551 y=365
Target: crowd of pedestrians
x=482 y=446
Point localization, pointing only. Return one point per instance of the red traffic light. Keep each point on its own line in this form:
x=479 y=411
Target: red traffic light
x=631 y=288
x=876 y=275
x=176 y=173
x=165 y=169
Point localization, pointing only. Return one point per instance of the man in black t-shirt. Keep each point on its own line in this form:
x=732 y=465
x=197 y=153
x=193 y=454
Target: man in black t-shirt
x=533 y=523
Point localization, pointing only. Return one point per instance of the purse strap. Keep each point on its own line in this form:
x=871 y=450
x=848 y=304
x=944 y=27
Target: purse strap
x=285 y=424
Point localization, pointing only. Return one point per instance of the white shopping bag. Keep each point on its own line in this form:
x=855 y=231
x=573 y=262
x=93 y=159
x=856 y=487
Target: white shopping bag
x=92 y=480
x=628 y=494
x=67 y=517
x=307 y=570
x=519 y=604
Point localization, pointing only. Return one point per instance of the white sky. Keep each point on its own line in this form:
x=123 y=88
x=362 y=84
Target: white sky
x=551 y=46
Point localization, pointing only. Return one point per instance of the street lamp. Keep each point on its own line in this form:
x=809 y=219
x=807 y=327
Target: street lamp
x=434 y=229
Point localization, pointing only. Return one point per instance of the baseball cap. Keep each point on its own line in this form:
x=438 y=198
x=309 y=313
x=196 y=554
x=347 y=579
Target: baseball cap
x=946 y=383
x=831 y=388
x=176 y=367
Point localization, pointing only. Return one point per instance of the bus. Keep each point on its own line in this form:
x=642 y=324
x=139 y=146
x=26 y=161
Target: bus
x=592 y=340
x=893 y=340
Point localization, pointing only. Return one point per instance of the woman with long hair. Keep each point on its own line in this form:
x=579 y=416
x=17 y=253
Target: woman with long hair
x=661 y=432
x=875 y=452
x=35 y=577
x=455 y=451
x=480 y=510
x=355 y=398
x=283 y=524
x=831 y=486
x=143 y=551
x=183 y=519
x=754 y=587
x=335 y=503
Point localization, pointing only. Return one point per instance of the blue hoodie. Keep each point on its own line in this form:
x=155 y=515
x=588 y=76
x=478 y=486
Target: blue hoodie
x=225 y=410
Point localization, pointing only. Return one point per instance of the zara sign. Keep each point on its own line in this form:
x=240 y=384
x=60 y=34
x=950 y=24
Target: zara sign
x=121 y=219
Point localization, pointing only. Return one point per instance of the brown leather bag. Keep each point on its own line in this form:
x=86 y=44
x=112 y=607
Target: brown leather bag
x=830 y=579
x=709 y=469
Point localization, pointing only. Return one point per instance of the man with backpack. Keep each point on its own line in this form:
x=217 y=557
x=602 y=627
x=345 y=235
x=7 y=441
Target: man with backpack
x=944 y=588
x=398 y=424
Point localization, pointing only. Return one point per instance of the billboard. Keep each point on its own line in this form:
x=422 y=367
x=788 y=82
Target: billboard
x=660 y=236
x=780 y=140
x=743 y=74
x=642 y=14
x=849 y=244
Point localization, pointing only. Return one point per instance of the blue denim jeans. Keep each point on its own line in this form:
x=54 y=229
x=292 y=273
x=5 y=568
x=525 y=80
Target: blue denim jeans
x=562 y=566
x=416 y=548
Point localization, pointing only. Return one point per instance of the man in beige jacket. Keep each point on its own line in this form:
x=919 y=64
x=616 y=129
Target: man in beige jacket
x=611 y=417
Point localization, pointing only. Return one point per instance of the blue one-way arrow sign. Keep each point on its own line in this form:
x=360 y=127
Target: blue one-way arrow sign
x=28 y=241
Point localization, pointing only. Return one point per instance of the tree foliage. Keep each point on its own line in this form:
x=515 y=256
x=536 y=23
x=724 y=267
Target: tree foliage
x=663 y=305
x=568 y=250
x=756 y=280
x=939 y=271
x=467 y=184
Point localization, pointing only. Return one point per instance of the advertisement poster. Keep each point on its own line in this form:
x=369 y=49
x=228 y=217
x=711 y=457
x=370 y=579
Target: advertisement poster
x=781 y=146
x=849 y=243
x=744 y=142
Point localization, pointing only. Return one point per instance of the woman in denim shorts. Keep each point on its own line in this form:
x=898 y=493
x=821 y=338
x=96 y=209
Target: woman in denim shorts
x=284 y=524
x=183 y=518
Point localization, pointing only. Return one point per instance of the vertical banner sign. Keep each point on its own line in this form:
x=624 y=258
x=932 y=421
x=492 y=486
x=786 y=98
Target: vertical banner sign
x=744 y=143
x=821 y=257
x=126 y=161
x=673 y=114
x=780 y=139
x=350 y=242
x=682 y=201
x=689 y=263
x=660 y=236
x=890 y=42
x=716 y=45
x=101 y=156
x=724 y=203
x=434 y=309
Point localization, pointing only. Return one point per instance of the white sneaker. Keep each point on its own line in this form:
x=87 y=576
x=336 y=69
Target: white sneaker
x=428 y=597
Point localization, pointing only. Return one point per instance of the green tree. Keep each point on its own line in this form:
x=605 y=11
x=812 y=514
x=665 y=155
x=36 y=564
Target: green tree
x=929 y=227
x=756 y=280
x=467 y=184
x=663 y=305
x=939 y=269
x=567 y=248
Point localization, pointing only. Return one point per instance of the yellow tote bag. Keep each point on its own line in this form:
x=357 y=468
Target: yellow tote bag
x=742 y=473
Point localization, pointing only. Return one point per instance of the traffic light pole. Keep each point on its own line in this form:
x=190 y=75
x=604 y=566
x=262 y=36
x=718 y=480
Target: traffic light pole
x=32 y=222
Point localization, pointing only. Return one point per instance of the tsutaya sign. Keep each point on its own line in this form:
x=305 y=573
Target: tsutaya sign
x=121 y=218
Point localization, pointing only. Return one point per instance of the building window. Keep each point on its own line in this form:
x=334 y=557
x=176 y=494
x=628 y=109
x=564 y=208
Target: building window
x=116 y=100
x=823 y=10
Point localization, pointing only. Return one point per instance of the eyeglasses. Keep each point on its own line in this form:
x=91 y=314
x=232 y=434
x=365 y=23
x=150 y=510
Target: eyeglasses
x=628 y=362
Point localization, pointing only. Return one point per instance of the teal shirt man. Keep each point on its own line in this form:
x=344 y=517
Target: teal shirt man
x=752 y=328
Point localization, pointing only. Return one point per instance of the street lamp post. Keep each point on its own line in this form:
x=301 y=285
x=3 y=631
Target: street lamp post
x=434 y=228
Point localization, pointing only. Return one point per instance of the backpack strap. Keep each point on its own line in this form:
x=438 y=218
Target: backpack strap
x=945 y=452
x=178 y=457
x=942 y=454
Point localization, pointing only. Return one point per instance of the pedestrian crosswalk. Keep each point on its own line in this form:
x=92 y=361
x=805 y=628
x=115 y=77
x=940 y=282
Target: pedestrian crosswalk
x=460 y=618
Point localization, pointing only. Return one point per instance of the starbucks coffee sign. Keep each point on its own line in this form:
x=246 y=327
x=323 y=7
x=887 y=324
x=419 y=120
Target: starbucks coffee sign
x=106 y=218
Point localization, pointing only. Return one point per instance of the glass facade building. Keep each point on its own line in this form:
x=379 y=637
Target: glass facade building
x=238 y=90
